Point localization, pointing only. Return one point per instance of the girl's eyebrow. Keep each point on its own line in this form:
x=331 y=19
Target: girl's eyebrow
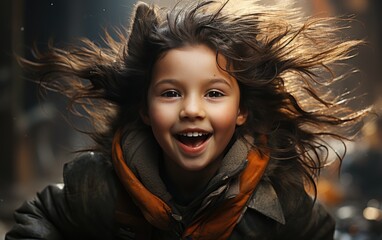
x=220 y=80
x=165 y=81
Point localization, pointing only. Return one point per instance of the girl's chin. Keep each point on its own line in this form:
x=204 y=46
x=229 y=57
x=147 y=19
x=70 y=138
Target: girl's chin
x=198 y=164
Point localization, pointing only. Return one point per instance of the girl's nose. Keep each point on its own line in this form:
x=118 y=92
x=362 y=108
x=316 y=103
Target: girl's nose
x=192 y=108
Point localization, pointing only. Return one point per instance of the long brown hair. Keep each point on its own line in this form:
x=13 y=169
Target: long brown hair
x=285 y=66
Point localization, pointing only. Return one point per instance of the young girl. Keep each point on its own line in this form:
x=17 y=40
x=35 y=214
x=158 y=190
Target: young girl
x=210 y=120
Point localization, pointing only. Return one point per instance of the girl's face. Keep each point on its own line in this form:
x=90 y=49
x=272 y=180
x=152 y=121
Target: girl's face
x=193 y=107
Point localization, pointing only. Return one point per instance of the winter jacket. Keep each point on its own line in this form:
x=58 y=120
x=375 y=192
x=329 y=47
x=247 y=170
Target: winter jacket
x=94 y=204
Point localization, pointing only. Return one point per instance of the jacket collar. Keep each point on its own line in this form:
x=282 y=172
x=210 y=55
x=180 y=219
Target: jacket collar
x=265 y=201
x=141 y=153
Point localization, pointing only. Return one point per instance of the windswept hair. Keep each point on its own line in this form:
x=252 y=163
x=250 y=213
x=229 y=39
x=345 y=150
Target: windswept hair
x=285 y=65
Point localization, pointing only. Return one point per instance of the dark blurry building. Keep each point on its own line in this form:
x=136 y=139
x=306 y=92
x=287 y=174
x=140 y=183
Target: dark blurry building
x=35 y=140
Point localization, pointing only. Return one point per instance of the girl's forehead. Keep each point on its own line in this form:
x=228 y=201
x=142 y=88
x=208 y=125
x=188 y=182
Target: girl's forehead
x=191 y=62
x=191 y=55
x=194 y=50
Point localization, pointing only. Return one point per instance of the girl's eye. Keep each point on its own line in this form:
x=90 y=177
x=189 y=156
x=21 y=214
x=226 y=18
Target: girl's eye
x=214 y=94
x=170 y=94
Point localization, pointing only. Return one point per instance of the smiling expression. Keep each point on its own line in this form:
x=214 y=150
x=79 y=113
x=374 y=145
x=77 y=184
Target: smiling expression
x=193 y=107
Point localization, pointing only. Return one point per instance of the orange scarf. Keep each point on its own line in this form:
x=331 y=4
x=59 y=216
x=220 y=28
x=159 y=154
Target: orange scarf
x=216 y=224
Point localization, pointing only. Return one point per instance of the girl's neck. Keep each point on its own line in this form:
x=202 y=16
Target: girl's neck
x=186 y=185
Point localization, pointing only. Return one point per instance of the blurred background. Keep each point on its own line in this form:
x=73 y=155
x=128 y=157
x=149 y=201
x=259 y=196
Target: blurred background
x=35 y=140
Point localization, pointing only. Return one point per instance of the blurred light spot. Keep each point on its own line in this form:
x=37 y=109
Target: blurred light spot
x=22 y=29
x=104 y=10
x=342 y=235
x=358 y=6
x=346 y=212
x=372 y=213
x=60 y=185
x=51 y=4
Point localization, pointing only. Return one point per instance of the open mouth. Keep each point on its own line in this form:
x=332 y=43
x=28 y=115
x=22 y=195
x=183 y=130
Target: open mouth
x=193 y=139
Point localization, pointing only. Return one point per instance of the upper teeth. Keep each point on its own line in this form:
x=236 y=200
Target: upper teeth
x=192 y=134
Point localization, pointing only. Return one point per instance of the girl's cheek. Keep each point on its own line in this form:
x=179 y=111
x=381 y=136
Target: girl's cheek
x=161 y=115
x=224 y=117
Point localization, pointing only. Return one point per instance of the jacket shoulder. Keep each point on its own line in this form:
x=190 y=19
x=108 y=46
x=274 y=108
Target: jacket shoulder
x=83 y=208
x=88 y=161
x=87 y=170
x=91 y=188
x=284 y=213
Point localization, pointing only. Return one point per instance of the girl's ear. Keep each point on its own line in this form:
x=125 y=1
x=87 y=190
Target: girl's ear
x=144 y=20
x=241 y=117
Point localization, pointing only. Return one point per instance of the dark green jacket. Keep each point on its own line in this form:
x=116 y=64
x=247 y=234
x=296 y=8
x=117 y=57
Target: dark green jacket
x=85 y=206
